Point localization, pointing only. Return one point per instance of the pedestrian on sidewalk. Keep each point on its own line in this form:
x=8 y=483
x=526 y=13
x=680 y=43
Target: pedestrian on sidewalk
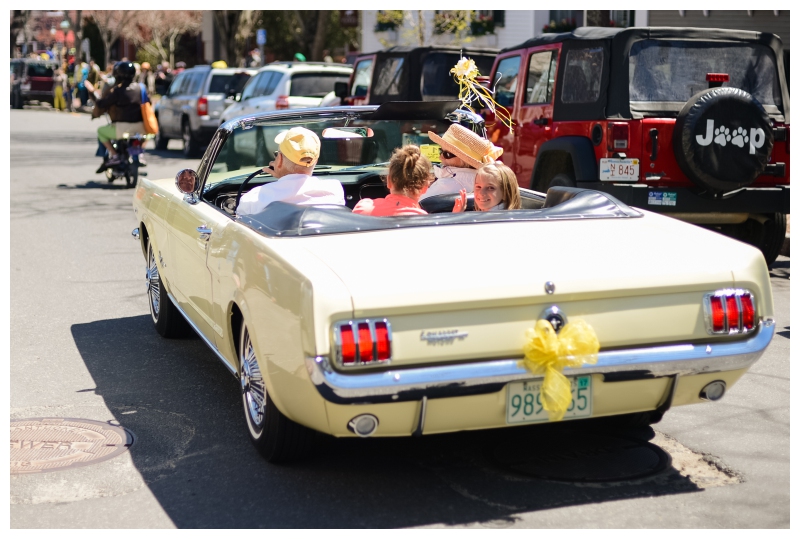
x=59 y=85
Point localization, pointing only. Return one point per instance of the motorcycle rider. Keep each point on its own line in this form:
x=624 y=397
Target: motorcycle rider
x=123 y=104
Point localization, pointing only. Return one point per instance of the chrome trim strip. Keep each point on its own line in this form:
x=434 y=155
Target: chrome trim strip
x=490 y=376
x=203 y=337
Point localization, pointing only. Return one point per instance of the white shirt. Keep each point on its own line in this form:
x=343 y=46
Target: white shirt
x=451 y=180
x=293 y=188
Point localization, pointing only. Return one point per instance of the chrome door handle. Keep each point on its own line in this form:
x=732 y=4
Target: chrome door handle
x=205 y=232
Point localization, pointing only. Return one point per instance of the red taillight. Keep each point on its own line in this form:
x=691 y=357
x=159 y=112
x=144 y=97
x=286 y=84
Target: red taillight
x=748 y=312
x=717 y=315
x=717 y=77
x=730 y=311
x=383 y=341
x=348 y=344
x=282 y=102
x=732 y=307
x=202 y=106
x=618 y=134
x=364 y=343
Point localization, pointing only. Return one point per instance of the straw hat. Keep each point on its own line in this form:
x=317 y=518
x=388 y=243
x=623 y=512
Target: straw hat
x=469 y=146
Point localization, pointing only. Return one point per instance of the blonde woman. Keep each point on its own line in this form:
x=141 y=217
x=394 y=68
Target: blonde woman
x=407 y=181
x=496 y=188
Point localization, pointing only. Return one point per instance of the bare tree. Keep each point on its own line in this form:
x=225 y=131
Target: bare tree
x=112 y=25
x=157 y=32
x=19 y=23
x=234 y=27
x=77 y=27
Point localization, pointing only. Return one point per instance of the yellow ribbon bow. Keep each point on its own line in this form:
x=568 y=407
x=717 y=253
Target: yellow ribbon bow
x=549 y=353
x=465 y=74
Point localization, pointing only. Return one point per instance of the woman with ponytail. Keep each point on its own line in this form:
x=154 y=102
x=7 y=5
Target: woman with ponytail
x=408 y=178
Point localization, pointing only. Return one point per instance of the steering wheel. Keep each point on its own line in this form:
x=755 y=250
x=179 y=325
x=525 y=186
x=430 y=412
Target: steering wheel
x=245 y=182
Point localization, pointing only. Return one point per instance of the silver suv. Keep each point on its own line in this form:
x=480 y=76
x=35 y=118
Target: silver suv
x=288 y=85
x=193 y=104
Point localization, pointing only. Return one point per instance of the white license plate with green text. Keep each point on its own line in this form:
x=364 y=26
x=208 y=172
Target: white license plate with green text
x=524 y=401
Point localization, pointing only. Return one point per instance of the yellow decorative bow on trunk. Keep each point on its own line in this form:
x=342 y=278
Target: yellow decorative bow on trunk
x=549 y=352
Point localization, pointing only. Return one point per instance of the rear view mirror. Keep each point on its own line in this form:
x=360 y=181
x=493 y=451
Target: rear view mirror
x=347 y=132
x=340 y=89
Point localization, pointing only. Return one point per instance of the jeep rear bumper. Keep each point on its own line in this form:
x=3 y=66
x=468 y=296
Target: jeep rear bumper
x=745 y=200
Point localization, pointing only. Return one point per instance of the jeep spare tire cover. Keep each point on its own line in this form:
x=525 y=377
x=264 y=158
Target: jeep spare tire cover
x=722 y=139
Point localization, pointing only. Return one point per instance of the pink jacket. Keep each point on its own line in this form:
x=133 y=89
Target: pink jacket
x=389 y=206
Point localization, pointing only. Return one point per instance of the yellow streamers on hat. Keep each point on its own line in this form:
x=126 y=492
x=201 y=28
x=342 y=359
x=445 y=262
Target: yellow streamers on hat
x=549 y=352
x=470 y=90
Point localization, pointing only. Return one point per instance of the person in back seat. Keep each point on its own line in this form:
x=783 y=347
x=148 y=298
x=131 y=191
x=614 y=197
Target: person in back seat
x=462 y=152
x=298 y=152
x=408 y=178
x=496 y=188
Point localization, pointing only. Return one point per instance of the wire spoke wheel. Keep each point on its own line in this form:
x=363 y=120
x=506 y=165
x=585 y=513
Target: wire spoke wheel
x=153 y=284
x=252 y=383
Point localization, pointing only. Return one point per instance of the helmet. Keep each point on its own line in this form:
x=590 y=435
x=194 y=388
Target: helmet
x=124 y=71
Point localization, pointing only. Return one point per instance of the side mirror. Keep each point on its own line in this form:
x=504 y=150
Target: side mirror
x=340 y=89
x=186 y=181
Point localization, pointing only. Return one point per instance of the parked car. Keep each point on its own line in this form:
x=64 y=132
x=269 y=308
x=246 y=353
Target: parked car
x=287 y=85
x=192 y=106
x=409 y=74
x=332 y=322
x=691 y=123
x=32 y=80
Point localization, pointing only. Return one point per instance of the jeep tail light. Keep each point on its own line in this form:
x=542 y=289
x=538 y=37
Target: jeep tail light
x=618 y=134
x=282 y=102
x=717 y=77
x=362 y=342
x=730 y=311
x=202 y=106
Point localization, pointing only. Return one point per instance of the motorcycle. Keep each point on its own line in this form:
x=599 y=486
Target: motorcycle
x=130 y=149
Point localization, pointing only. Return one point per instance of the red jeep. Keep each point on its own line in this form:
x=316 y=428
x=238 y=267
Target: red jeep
x=692 y=123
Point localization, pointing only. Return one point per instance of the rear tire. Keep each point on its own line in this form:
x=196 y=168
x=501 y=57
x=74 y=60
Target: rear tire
x=275 y=436
x=168 y=321
x=190 y=145
x=161 y=140
x=767 y=236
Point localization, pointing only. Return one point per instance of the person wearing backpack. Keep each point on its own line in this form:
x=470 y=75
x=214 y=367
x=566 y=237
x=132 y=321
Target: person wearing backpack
x=123 y=103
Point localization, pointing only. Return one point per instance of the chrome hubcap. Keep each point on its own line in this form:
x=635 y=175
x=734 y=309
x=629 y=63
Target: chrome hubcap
x=253 y=391
x=153 y=285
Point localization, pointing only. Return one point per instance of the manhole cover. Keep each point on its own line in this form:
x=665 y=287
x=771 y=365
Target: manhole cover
x=49 y=444
x=583 y=458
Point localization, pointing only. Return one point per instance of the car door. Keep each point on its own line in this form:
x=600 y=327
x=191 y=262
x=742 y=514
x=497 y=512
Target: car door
x=534 y=112
x=166 y=109
x=504 y=81
x=362 y=80
x=192 y=226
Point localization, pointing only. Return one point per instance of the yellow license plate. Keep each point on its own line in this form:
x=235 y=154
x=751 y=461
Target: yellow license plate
x=524 y=401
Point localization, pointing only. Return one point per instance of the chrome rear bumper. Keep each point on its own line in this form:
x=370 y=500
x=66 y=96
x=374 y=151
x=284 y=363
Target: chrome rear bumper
x=490 y=376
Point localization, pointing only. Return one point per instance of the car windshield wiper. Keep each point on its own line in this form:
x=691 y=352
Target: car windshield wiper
x=359 y=167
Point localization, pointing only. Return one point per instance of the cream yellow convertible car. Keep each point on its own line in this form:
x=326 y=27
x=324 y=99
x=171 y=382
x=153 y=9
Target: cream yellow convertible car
x=353 y=325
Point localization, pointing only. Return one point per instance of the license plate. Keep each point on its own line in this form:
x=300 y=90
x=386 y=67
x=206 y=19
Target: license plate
x=619 y=170
x=524 y=401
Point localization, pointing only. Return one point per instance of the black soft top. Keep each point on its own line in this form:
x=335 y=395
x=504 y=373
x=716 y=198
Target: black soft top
x=614 y=100
x=405 y=49
x=281 y=219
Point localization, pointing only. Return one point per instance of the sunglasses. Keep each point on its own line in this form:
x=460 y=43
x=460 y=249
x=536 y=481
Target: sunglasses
x=275 y=153
x=446 y=154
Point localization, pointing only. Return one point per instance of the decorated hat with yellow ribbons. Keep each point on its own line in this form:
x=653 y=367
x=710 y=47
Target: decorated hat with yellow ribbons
x=473 y=149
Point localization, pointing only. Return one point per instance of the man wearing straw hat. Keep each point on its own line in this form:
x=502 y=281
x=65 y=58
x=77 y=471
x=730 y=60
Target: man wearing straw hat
x=462 y=152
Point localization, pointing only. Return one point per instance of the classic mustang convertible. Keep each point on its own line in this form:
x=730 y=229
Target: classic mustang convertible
x=354 y=325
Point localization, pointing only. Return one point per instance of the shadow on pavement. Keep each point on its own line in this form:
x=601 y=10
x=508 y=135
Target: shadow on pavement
x=118 y=184
x=193 y=452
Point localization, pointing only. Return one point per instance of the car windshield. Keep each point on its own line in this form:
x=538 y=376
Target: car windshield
x=252 y=144
x=315 y=84
x=228 y=84
x=40 y=70
x=674 y=71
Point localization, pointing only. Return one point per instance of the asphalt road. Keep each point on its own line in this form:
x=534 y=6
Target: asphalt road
x=82 y=346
